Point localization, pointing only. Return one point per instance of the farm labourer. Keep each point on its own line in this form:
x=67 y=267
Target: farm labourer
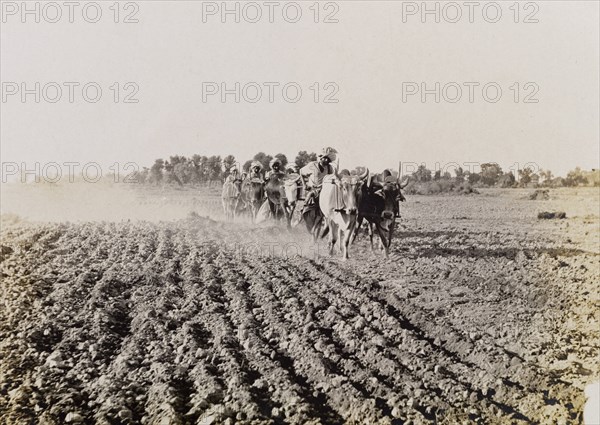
x=275 y=165
x=291 y=168
x=231 y=193
x=315 y=171
x=292 y=179
x=233 y=175
x=255 y=171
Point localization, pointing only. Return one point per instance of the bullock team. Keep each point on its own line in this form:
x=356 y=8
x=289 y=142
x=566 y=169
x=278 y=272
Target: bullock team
x=334 y=202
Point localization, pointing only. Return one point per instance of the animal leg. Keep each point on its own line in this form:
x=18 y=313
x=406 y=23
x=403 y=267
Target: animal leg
x=332 y=236
x=383 y=243
x=371 y=234
x=390 y=233
x=356 y=229
x=320 y=227
x=349 y=232
x=290 y=211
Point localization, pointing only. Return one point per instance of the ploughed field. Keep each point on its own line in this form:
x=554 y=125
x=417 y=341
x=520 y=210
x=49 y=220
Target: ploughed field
x=482 y=314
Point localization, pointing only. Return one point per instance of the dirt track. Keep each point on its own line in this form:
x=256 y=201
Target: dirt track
x=480 y=315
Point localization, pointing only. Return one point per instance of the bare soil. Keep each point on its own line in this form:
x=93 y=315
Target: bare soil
x=482 y=314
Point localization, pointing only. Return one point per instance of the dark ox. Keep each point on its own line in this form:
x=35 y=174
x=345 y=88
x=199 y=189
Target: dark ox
x=378 y=205
x=277 y=198
x=253 y=193
x=339 y=201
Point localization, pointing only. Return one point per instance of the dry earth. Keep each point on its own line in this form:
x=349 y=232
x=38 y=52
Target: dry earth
x=482 y=314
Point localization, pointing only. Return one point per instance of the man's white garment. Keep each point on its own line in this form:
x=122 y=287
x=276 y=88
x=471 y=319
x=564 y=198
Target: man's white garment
x=314 y=174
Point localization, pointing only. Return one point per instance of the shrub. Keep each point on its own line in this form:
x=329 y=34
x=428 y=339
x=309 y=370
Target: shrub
x=433 y=187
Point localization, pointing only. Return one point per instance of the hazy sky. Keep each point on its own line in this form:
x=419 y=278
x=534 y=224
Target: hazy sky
x=370 y=55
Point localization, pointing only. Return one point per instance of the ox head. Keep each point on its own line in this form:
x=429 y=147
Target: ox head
x=291 y=184
x=391 y=194
x=351 y=188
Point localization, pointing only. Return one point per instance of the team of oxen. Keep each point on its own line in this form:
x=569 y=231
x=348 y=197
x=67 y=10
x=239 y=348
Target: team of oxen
x=344 y=203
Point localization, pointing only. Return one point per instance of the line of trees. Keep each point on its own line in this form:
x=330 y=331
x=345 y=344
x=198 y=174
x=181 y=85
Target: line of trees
x=198 y=169
x=491 y=175
x=424 y=181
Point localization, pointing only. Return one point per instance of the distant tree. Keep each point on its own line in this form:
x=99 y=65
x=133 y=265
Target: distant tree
x=214 y=168
x=142 y=176
x=205 y=169
x=196 y=175
x=176 y=169
x=575 y=178
x=156 y=171
x=437 y=175
x=556 y=182
x=169 y=174
x=525 y=176
x=546 y=175
x=507 y=179
x=460 y=174
x=422 y=174
x=185 y=171
x=173 y=170
x=473 y=178
x=490 y=173
x=447 y=175
x=304 y=158
x=246 y=166
x=593 y=177
x=173 y=162
x=179 y=170
x=283 y=159
x=264 y=159
x=179 y=158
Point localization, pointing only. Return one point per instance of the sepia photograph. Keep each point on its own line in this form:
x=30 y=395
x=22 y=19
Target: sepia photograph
x=304 y=212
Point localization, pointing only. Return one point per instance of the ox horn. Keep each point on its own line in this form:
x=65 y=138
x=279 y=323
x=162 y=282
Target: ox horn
x=406 y=184
x=399 y=179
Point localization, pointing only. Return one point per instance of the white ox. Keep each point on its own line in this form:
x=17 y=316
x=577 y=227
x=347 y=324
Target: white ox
x=291 y=185
x=339 y=203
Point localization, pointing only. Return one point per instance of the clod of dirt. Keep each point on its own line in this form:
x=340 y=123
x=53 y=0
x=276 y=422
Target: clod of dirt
x=545 y=215
x=74 y=417
x=5 y=252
